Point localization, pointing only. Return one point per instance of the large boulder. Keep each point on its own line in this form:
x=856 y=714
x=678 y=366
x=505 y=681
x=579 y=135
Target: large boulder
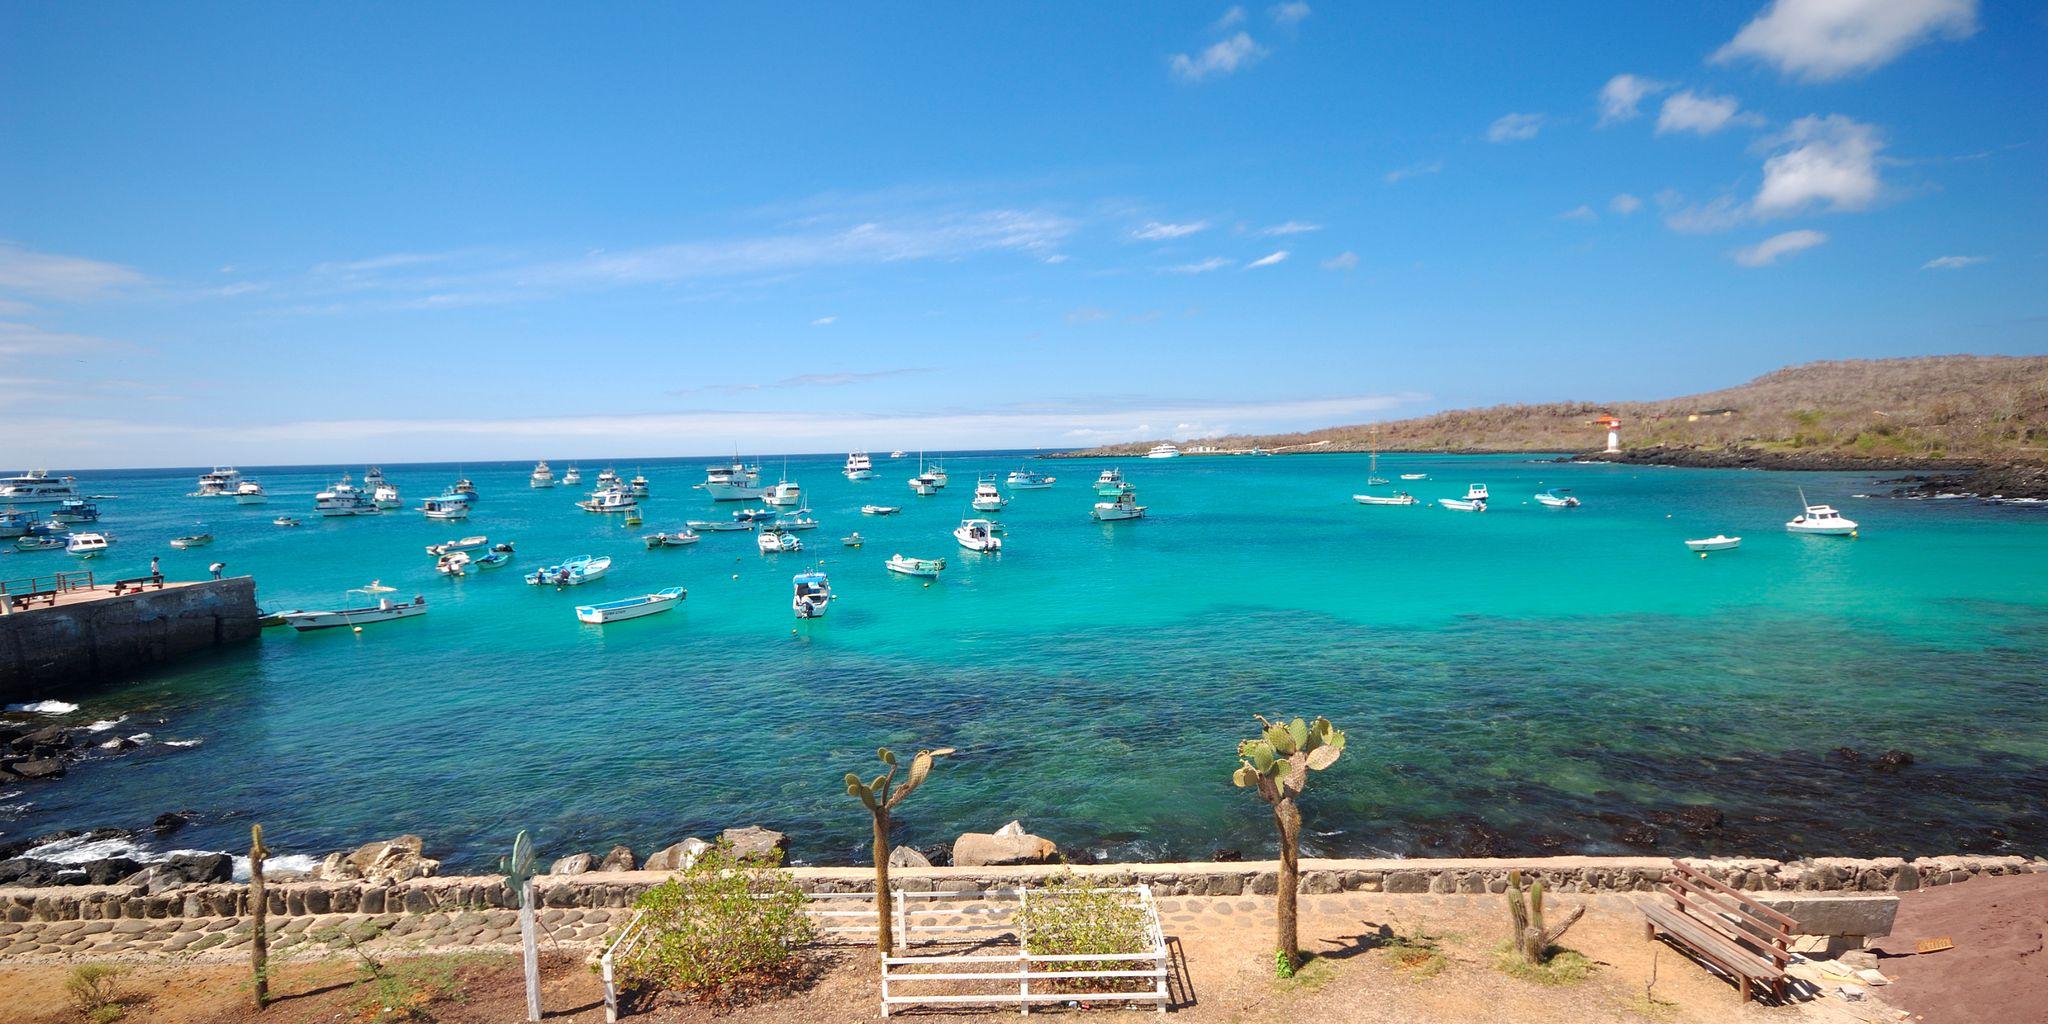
x=38 y=768
x=573 y=864
x=108 y=870
x=393 y=860
x=755 y=843
x=676 y=857
x=28 y=872
x=182 y=869
x=618 y=858
x=908 y=857
x=169 y=822
x=1005 y=846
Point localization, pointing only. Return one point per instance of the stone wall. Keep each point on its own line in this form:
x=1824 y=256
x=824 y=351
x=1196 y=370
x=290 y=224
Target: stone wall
x=619 y=888
x=44 y=650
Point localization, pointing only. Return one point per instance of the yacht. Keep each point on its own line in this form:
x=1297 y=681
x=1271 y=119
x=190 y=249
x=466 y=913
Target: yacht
x=977 y=535
x=924 y=484
x=343 y=499
x=572 y=476
x=542 y=476
x=463 y=489
x=734 y=482
x=1123 y=506
x=86 y=544
x=217 y=483
x=373 y=478
x=609 y=499
x=249 y=492
x=812 y=593
x=986 y=497
x=384 y=495
x=607 y=477
x=1025 y=480
x=1821 y=519
x=1163 y=451
x=784 y=493
x=859 y=466
x=1110 y=483
x=446 y=507
x=638 y=487
x=36 y=487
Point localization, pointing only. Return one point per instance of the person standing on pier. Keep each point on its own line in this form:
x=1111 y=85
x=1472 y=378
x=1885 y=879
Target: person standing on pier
x=154 y=570
x=216 y=567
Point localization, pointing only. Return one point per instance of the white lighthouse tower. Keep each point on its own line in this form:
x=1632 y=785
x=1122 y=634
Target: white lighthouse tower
x=1613 y=426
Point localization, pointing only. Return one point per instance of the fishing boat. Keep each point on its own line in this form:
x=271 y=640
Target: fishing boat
x=1415 y=476
x=937 y=472
x=678 y=539
x=373 y=477
x=880 y=510
x=630 y=608
x=929 y=568
x=607 y=477
x=784 y=494
x=218 y=482
x=465 y=544
x=384 y=496
x=1717 y=542
x=285 y=521
x=812 y=593
x=464 y=490
x=572 y=476
x=801 y=519
x=1821 y=520
x=541 y=476
x=1396 y=498
x=734 y=482
x=383 y=611
x=36 y=487
x=859 y=466
x=1110 y=483
x=1163 y=451
x=977 y=535
x=76 y=510
x=15 y=523
x=39 y=542
x=498 y=558
x=773 y=541
x=719 y=525
x=343 y=499
x=196 y=540
x=249 y=492
x=1025 y=480
x=453 y=563
x=637 y=487
x=610 y=499
x=753 y=515
x=572 y=573
x=445 y=508
x=86 y=544
x=1555 y=498
x=986 y=497
x=1124 y=506
x=852 y=540
x=922 y=485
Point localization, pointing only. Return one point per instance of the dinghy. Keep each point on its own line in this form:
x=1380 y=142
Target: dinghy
x=678 y=539
x=629 y=608
x=197 y=540
x=1555 y=498
x=495 y=560
x=1717 y=542
x=812 y=593
x=284 y=521
x=880 y=510
x=454 y=563
x=929 y=568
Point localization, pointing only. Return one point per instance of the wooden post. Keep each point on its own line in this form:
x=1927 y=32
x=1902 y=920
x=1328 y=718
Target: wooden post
x=526 y=941
x=259 y=948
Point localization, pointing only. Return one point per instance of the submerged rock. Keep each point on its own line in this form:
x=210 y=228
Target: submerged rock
x=169 y=822
x=1893 y=760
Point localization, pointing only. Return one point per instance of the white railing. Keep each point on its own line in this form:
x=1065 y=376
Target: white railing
x=1007 y=978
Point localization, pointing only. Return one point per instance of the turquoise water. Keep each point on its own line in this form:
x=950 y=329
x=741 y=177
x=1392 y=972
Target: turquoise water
x=1527 y=679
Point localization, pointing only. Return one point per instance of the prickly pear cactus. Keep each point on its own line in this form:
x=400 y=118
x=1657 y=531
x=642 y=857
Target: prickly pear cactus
x=1278 y=760
x=518 y=868
x=880 y=796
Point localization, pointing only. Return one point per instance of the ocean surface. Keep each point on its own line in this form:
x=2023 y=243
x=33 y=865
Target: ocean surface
x=1529 y=679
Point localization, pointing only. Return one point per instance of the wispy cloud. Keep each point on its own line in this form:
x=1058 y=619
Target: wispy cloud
x=1514 y=127
x=1267 y=260
x=1200 y=266
x=1776 y=247
x=21 y=339
x=1621 y=97
x=1238 y=51
x=25 y=271
x=1824 y=39
x=1701 y=113
x=824 y=321
x=1158 y=231
x=1292 y=227
x=1579 y=212
x=1088 y=315
x=1231 y=18
x=1717 y=214
x=1341 y=261
x=804 y=380
x=1953 y=262
x=1623 y=203
x=1401 y=174
x=1290 y=13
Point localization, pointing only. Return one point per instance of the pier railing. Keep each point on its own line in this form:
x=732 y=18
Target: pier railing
x=55 y=583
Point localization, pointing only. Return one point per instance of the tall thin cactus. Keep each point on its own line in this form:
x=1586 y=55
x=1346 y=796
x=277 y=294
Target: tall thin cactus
x=1531 y=940
x=1276 y=764
x=518 y=872
x=259 y=943
x=881 y=796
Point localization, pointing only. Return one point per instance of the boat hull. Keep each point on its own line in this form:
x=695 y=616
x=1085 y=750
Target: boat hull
x=631 y=608
x=1825 y=530
x=1456 y=505
x=306 y=622
x=1714 y=544
x=1384 y=499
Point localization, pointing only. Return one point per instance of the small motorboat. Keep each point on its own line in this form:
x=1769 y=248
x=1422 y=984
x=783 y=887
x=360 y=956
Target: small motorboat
x=1821 y=520
x=445 y=508
x=986 y=497
x=1025 y=480
x=453 y=563
x=880 y=510
x=977 y=535
x=718 y=526
x=753 y=515
x=465 y=544
x=197 y=540
x=1717 y=542
x=249 y=492
x=929 y=568
x=42 y=542
x=637 y=487
x=1474 y=500
x=784 y=494
x=86 y=545
x=631 y=607
x=284 y=521
x=609 y=499
x=1555 y=498
x=852 y=540
x=774 y=541
x=678 y=539
x=383 y=611
x=497 y=559
x=896 y=454
x=1396 y=498
x=812 y=593
x=572 y=573
x=1124 y=507
x=572 y=476
x=1415 y=476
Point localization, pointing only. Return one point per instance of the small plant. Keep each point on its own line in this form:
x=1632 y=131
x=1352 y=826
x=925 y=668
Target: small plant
x=1074 y=916
x=93 y=992
x=1530 y=939
x=407 y=990
x=1418 y=955
x=1565 y=966
x=1283 y=966
x=719 y=930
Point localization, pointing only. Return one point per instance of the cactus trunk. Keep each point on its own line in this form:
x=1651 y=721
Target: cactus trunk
x=885 y=937
x=1288 y=817
x=259 y=944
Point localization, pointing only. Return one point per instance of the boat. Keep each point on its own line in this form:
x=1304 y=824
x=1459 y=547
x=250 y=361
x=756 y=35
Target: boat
x=541 y=476
x=637 y=487
x=977 y=535
x=812 y=593
x=937 y=473
x=445 y=508
x=986 y=497
x=343 y=499
x=1110 y=483
x=897 y=454
x=607 y=477
x=499 y=557
x=39 y=542
x=384 y=496
x=923 y=486
x=718 y=525
x=1025 y=480
x=249 y=492
x=197 y=540
x=453 y=563
x=1717 y=542
x=76 y=510
x=630 y=608
x=1821 y=520
x=463 y=489
x=465 y=544
x=86 y=544
x=1372 y=470
x=1124 y=506
x=859 y=466
x=373 y=477
x=1467 y=505
x=734 y=482
x=572 y=476
x=36 y=487
x=285 y=521
x=1415 y=476
x=1163 y=451
x=801 y=519
x=218 y=482
x=880 y=510
x=15 y=523
x=773 y=541
x=1396 y=498
x=784 y=493
x=852 y=540
x=572 y=573
x=632 y=517
x=929 y=568
x=678 y=539
x=384 y=610
x=753 y=515
x=610 y=499
x=1554 y=498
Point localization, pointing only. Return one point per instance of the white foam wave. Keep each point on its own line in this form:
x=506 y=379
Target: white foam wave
x=140 y=737
x=44 y=707
x=105 y=723
x=290 y=863
x=183 y=743
x=79 y=850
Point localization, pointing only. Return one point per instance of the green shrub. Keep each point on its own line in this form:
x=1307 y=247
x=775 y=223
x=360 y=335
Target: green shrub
x=720 y=929
x=93 y=993
x=1563 y=967
x=405 y=990
x=1072 y=915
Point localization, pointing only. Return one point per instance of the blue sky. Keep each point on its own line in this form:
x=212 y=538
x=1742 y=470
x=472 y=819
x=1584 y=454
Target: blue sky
x=282 y=233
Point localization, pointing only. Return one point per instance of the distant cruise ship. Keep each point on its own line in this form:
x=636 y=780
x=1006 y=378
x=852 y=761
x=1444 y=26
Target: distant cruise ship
x=1163 y=451
x=37 y=486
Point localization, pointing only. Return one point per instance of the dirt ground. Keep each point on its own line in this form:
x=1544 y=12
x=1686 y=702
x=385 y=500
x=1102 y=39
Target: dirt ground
x=1998 y=970
x=1223 y=975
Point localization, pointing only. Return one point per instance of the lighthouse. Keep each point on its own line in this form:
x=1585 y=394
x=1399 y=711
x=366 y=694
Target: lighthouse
x=1613 y=426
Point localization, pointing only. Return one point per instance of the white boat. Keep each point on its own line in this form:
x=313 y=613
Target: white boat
x=1025 y=480
x=773 y=541
x=385 y=497
x=1554 y=498
x=572 y=476
x=929 y=568
x=197 y=540
x=637 y=487
x=1456 y=505
x=880 y=510
x=852 y=540
x=784 y=494
x=859 y=466
x=1717 y=542
x=607 y=477
x=977 y=535
x=812 y=593
x=373 y=478
x=1110 y=483
x=1396 y=498
x=1415 y=476
x=986 y=497
x=445 y=508
x=470 y=543
x=36 y=487
x=630 y=608
x=680 y=538
x=284 y=521
x=1822 y=520
x=542 y=476
x=452 y=563
x=219 y=482
x=610 y=499
x=86 y=544
x=719 y=525
x=801 y=519
x=896 y=454
x=1124 y=506
x=383 y=611
x=734 y=482
x=1163 y=451
x=343 y=499
x=572 y=573
x=923 y=486
x=1372 y=470
x=249 y=492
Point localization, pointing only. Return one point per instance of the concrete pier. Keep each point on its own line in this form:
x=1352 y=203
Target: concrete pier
x=91 y=634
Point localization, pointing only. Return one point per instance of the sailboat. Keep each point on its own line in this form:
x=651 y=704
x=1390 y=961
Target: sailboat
x=1372 y=472
x=924 y=484
x=1374 y=479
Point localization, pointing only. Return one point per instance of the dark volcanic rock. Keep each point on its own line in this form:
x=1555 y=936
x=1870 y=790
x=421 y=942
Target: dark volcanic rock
x=109 y=870
x=1227 y=856
x=940 y=854
x=1893 y=760
x=1848 y=755
x=1641 y=834
x=40 y=768
x=25 y=871
x=169 y=822
x=1700 y=819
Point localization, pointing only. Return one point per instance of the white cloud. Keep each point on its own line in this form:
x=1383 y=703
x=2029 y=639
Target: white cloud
x=1953 y=262
x=1290 y=13
x=1341 y=261
x=1056 y=258
x=66 y=278
x=1768 y=251
x=1155 y=231
x=1514 y=127
x=1622 y=94
x=1292 y=227
x=1267 y=260
x=1579 y=212
x=1400 y=174
x=824 y=321
x=1822 y=39
x=1624 y=204
x=1717 y=214
x=1221 y=59
x=19 y=339
x=1701 y=113
x=1200 y=266
x=1829 y=160
x=1231 y=17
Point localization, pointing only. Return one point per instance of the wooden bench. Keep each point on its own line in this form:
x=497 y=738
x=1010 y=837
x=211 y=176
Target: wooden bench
x=1724 y=927
x=138 y=584
x=20 y=602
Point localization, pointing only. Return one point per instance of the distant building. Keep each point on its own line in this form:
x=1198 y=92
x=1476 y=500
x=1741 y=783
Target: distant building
x=1202 y=449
